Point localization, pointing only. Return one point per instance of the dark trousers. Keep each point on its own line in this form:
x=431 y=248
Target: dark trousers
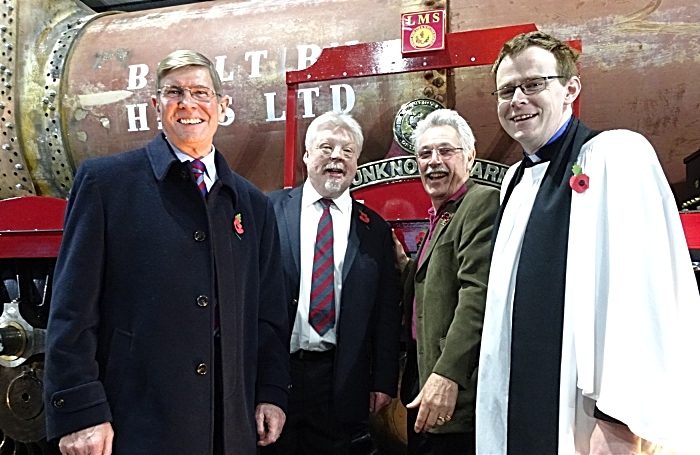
x=312 y=426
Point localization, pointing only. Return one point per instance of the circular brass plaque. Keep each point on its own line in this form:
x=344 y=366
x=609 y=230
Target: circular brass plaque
x=408 y=117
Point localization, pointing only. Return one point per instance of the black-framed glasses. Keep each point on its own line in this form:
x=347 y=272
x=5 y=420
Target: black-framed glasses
x=177 y=93
x=445 y=153
x=530 y=87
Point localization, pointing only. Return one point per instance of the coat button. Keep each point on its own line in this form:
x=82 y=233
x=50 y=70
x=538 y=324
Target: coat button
x=201 y=369
x=183 y=175
x=200 y=236
x=295 y=302
x=202 y=300
x=58 y=402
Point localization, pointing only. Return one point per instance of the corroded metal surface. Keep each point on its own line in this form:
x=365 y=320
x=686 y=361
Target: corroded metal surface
x=640 y=59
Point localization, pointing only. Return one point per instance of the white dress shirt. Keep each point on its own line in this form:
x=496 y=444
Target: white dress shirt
x=303 y=335
x=210 y=175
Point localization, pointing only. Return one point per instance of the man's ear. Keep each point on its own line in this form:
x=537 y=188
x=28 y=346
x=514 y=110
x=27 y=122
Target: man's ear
x=573 y=88
x=154 y=100
x=306 y=157
x=223 y=105
x=471 y=158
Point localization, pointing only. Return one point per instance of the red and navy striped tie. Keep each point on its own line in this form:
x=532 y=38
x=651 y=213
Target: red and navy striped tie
x=322 y=302
x=198 y=170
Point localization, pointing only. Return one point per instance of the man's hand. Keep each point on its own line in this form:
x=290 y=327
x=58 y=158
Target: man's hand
x=377 y=401
x=269 y=420
x=95 y=440
x=401 y=258
x=437 y=401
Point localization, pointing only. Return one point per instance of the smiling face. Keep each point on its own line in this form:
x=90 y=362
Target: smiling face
x=188 y=124
x=442 y=177
x=331 y=162
x=533 y=119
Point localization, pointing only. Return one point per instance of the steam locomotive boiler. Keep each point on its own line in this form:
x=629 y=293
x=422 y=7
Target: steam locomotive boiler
x=76 y=84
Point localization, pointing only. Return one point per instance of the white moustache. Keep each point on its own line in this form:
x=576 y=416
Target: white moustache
x=432 y=170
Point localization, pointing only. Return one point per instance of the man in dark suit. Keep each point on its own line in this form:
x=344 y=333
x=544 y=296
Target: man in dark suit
x=167 y=331
x=342 y=297
x=445 y=290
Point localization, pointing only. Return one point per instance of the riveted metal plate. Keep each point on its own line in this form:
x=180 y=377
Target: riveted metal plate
x=51 y=141
x=15 y=179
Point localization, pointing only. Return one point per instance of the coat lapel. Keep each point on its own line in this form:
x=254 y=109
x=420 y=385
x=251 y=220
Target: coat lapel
x=357 y=231
x=292 y=220
x=439 y=230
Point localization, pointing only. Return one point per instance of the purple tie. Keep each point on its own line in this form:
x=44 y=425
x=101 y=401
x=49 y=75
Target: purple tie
x=322 y=301
x=198 y=170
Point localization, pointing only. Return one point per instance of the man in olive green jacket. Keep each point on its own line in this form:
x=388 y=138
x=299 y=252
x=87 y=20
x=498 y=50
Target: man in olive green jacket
x=445 y=290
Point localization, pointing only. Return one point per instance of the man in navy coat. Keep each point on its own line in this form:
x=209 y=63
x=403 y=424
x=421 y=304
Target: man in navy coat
x=168 y=331
x=344 y=359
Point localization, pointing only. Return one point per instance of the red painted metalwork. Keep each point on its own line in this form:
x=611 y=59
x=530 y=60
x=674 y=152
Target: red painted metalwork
x=471 y=48
x=400 y=200
x=31 y=227
x=691 y=227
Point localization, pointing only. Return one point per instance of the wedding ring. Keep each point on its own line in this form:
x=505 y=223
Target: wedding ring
x=448 y=418
x=441 y=420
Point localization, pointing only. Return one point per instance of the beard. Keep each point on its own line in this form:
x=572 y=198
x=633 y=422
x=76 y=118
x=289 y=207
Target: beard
x=332 y=186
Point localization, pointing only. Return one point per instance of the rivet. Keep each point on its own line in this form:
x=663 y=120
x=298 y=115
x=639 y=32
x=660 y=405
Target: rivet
x=9 y=125
x=7 y=85
x=19 y=166
x=19 y=186
x=2 y=67
x=52 y=93
x=8 y=72
x=10 y=7
x=8 y=46
x=52 y=107
x=2 y=105
x=3 y=28
x=45 y=100
x=6 y=147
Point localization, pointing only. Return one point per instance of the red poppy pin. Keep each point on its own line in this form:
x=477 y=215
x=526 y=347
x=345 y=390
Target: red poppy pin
x=238 y=225
x=363 y=217
x=579 y=181
x=445 y=218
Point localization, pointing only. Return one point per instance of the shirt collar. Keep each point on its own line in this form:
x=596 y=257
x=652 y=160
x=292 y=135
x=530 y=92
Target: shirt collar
x=207 y=160
x=309 y=197
x=536 y=157
x=458 y=194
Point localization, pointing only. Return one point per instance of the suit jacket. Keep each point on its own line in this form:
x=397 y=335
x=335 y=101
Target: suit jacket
x=450 y=291
x=130 y=338
x=368 y=329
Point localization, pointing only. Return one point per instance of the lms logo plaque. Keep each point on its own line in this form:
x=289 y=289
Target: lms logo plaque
x=423 y=31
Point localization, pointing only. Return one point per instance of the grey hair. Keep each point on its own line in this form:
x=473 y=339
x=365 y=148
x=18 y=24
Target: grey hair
x=446 y=117
x=182 y=58
x=344 y=121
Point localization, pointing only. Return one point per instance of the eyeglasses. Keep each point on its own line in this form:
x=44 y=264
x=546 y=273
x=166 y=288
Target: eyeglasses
x=326 y=150
x=444 y=152
x=530 y=87
x=177 y=93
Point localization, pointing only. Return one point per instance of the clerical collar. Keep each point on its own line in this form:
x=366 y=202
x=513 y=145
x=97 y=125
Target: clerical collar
x=545 y=153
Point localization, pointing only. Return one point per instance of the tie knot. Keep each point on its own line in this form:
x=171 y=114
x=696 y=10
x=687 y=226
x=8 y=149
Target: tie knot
x=325 y=203
x=198 y=167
